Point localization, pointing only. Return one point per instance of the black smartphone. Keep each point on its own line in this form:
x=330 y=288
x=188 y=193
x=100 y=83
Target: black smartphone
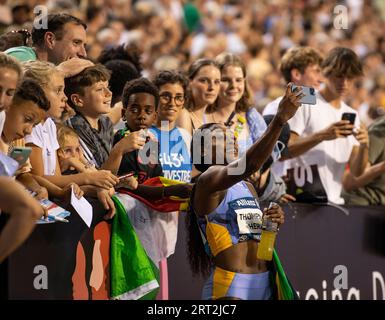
x=349 y=116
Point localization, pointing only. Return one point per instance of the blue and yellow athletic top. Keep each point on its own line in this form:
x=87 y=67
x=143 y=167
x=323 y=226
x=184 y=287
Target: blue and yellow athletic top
x=237 y=218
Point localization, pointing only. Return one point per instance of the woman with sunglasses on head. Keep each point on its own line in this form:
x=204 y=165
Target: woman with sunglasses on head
x=205 y=78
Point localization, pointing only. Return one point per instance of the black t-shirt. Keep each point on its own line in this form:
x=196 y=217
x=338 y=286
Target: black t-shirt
x=133 y=161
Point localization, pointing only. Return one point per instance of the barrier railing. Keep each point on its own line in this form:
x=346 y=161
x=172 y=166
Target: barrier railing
x=325 y=253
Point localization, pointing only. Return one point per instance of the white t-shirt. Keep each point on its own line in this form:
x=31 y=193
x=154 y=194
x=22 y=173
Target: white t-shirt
x=44 y=136
x=330 y=156
x=2 y=120
x=278 y=167
x=272 y=107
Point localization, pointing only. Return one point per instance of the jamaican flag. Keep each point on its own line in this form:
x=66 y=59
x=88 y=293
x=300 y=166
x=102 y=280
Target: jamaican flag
x=167 y=204
x=283 y=288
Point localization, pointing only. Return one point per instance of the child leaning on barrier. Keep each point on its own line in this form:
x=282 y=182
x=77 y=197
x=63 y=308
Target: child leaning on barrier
x=44 y=144
x=140 y=102
x=70 y=154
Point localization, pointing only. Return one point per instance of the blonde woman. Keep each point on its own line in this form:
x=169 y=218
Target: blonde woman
x=233 y=107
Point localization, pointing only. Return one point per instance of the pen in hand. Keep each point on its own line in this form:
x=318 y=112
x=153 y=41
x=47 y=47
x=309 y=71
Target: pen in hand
x=58 y=218
x=126 y=176
x=54 y=218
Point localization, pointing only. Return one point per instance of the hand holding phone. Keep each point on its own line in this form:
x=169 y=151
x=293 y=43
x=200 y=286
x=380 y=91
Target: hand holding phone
x=309 y=93
x=21 y=154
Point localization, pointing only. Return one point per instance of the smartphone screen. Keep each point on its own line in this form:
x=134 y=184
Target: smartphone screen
x=21 y=154
x=349 y=116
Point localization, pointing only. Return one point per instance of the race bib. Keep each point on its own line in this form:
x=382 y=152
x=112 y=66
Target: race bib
x=249 y=218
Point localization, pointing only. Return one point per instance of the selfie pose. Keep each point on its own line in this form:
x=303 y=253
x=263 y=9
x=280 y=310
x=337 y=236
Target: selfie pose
x=225 y=208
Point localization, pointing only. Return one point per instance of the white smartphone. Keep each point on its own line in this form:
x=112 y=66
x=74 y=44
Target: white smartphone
x=309 y=92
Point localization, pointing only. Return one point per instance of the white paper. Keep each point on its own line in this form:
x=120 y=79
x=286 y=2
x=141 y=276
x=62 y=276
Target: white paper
x=83 y=208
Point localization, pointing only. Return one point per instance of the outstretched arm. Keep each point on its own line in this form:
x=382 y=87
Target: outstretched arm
x=217 y=178
x=182 y=190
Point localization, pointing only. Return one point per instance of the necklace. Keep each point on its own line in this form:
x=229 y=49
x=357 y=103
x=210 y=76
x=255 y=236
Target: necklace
x=213 y=115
